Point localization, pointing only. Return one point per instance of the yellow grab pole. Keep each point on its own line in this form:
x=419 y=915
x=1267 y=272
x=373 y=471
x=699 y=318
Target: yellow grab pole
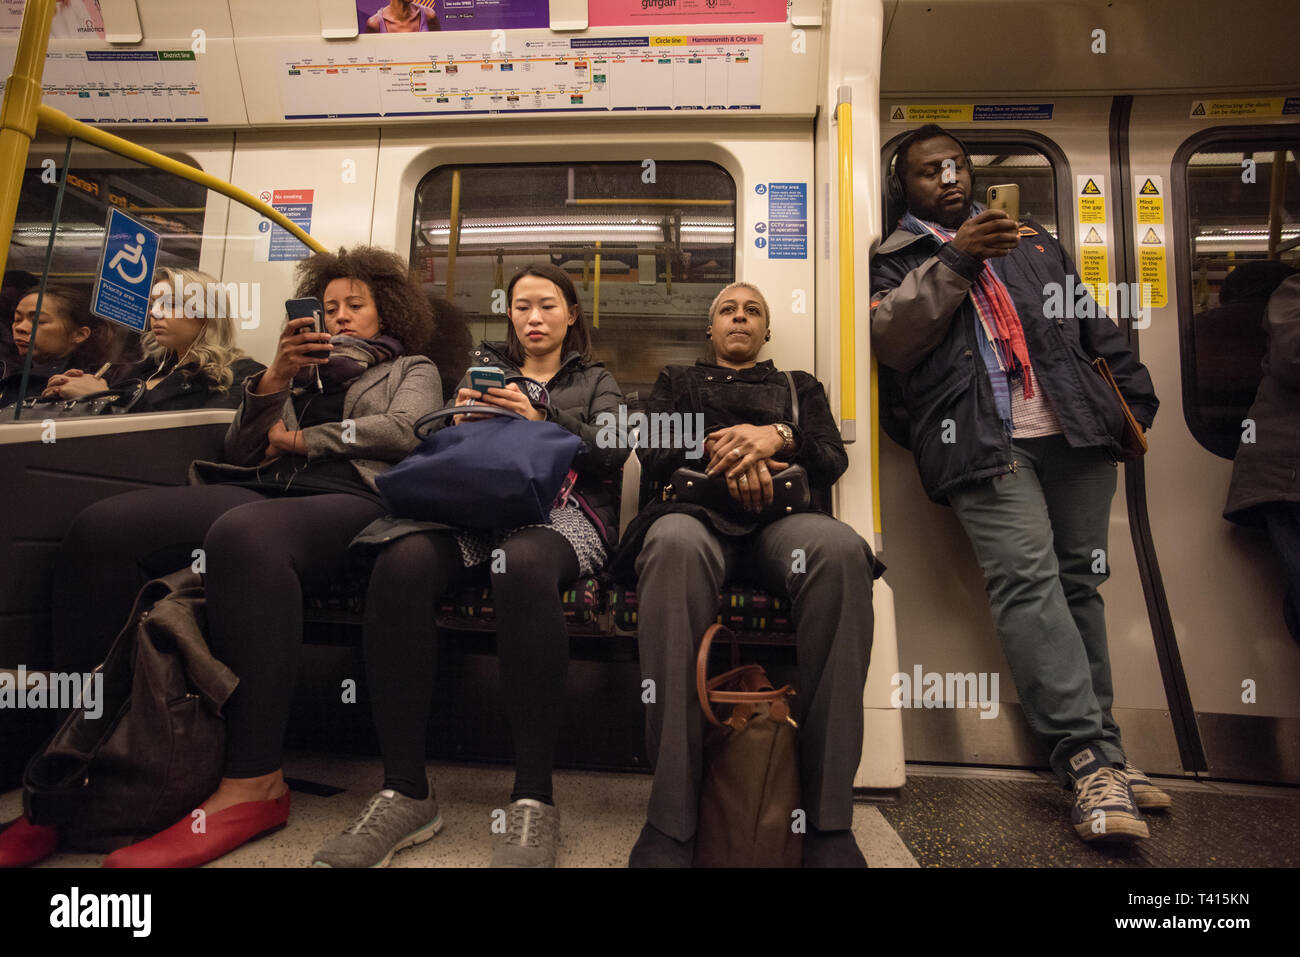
x=848 y=372
x=453 y=236
x=595 y=296
x=1276 y=194
x=18 y=114
x=58 y=122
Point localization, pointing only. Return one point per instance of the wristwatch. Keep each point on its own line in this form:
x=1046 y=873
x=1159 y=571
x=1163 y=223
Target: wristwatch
x=787 y=436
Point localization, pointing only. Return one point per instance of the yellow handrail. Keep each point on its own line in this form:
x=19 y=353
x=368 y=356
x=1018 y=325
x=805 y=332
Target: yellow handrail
x=595 y=296
x=848 y=372
x=18 y=114
x=453 y=238
x=848 y=331
x=59 y=122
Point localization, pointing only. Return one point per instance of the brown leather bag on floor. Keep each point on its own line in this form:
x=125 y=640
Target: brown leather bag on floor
x=751 y=768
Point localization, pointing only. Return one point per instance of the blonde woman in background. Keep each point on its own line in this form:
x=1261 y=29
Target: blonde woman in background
x=190 y=359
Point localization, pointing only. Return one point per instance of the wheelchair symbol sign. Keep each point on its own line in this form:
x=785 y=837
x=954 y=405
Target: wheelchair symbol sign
x=126 y=267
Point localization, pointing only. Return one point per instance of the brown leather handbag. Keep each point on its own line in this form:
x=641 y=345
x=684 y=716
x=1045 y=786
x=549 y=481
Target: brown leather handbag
x=750 y=796
x=1133 y=444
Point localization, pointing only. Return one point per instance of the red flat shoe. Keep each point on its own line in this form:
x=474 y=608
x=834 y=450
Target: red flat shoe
x=23 y=843
x=179 y=846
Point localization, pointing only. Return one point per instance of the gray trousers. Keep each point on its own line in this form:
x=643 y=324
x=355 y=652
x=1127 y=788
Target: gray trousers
x=1040 y=536
x=826 y=569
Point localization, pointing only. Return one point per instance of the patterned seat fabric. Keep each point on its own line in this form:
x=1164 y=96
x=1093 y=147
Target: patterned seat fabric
x=581 y=603
x=741 y=609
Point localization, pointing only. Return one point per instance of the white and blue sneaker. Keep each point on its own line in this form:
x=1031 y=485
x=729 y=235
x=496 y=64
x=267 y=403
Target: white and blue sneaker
x=1146 y=795
x=1104 y=806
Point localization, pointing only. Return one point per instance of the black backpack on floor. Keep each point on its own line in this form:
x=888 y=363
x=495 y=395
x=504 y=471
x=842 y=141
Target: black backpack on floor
x=157 y=748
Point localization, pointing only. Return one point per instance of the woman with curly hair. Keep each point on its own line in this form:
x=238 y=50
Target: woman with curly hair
x=190 y=357
x=274 y=520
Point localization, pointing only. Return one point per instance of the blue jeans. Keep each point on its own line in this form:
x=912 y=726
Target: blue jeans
x=1039 y=534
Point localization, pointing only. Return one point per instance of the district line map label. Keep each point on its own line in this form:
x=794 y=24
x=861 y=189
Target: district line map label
x=460 y=73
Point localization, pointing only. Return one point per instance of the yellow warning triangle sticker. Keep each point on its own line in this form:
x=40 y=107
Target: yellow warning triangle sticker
x=1150 y=238
x=1149 y=189
x=1198 y=109
x=1093 y=236
x=1090 y=189
x=897 y=114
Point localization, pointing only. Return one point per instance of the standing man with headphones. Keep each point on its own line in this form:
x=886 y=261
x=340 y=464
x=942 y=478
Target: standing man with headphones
x=1010 y=426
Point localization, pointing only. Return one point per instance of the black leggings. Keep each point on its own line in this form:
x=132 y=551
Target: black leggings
x=260 y=554
x=401 y=643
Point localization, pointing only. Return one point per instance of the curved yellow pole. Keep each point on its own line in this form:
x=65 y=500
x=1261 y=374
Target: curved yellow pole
x=59 y=122
x=18 y=114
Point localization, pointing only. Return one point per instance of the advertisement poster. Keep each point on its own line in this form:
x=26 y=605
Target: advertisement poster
x=422 y=16
x=73 y=19
x=621 y=13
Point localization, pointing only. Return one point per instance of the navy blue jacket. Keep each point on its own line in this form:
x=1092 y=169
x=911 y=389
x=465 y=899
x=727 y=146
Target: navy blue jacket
x=923 y=327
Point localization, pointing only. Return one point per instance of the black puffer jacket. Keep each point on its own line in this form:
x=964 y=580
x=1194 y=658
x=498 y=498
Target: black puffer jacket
x=579 y=393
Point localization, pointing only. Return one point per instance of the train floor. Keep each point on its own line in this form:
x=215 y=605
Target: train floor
x=943 y=817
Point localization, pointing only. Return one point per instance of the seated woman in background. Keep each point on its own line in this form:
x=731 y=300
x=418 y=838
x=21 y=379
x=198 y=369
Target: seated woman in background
x=546 y=341
x=685 y=553
x=274 y=520
x=66 y=337
x=191 y=360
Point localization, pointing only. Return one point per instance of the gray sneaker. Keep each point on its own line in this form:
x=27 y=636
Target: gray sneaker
x=390 y=822
x=532 y=836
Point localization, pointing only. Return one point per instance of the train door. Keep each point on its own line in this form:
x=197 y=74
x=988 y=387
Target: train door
x=1059 y=153
x=1212 y=187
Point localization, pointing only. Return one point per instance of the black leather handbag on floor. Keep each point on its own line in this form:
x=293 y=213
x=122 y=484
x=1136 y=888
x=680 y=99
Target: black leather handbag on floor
x=790 y=490
x=156 y=750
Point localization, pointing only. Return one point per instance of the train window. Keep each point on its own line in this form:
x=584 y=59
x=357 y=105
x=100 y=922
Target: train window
x=1031 y=162
x=665 y=239
x=95 y=182
x=1243 y=228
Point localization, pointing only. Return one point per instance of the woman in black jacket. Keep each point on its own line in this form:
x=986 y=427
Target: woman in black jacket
x=64 y=337
x=549 y=376
x=685 y=553
x=191 y=359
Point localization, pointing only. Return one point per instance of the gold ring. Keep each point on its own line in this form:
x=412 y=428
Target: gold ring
x=744 y=479
x=734 y=453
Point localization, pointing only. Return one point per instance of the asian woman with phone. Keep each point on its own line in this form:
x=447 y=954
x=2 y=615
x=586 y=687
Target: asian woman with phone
x=543 y=371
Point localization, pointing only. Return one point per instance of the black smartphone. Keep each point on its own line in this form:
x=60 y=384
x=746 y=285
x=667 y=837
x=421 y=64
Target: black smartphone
x=309 y=306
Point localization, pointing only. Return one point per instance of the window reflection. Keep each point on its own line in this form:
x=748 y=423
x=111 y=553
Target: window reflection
x=666 y=239
x=1237 y=238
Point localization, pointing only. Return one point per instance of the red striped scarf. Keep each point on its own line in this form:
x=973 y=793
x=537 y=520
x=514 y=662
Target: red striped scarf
x=997 y=313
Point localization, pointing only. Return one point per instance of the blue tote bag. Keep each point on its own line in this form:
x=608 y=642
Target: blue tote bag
x=501 y=472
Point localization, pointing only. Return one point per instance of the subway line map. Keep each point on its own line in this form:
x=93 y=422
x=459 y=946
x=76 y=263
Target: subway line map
x=576 y=74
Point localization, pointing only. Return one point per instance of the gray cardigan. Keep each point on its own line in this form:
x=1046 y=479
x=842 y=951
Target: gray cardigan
x=383 y=406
